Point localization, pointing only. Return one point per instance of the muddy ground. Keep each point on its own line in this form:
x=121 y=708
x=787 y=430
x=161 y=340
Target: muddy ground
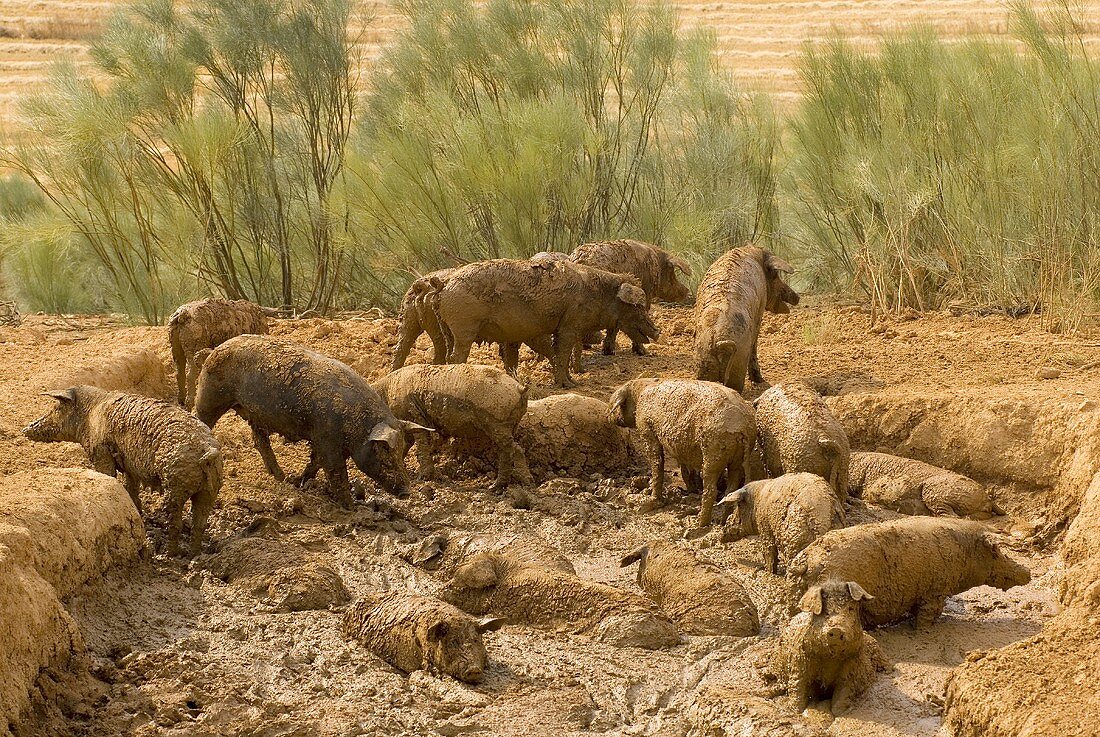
x=175 y=650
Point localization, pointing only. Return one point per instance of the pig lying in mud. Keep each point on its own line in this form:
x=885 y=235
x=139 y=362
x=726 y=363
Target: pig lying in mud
x=530 y=593
x=461 y=401
x=910 y=566
x=206 y=324
x=696 y=595
x=151 y=442
x=913 y=487
x=653 y=267
x=798 y=433
x=506 y=301
x=823 y=653
x=729 y=306
x=705 y=426
x=412 y=632
x=277 y=386
x=788 y=513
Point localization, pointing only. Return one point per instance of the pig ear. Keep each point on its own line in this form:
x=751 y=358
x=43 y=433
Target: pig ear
x=774 y=263
x=632 y=295
x=491 y=624
x=437 y=631
x=62 y=395
x=413 y=427
x=477 y=574
x=634 y=557
x=383 y=433
x=811 y=601
x=857 y=592
x=682 y=265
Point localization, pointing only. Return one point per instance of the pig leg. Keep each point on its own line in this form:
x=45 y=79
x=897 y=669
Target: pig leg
x=609 y=341
x=563 y=349
x=193 y=370
x=509 y=355
x=711 y=472
x=201 y=506
x=262 y=440
x=926 y=612
x=336 y=471
x=754 y=366
x=174 y=507
x=410 y=331
x=771 y=557
x=425 y=451
x=655 y=457
x=460 y=344
x=308 y=473
x=578 y=355
x=439 y=341
x=133 y=488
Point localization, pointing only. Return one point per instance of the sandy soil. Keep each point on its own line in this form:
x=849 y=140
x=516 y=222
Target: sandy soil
x=177 y=651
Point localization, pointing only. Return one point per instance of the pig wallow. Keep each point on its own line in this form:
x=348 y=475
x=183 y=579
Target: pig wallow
x=206 y=324
x=461 y=401
x=696 y=595
x=279 y=387
x=529 y=593
x=412 y=632
x=788 y=513
x=151 y=442
x=823 y=653
x=705 y=426
x=909 y=565
x=729 y=306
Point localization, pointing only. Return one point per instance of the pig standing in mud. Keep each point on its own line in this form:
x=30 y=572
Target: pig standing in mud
x=412 y=632
x=464 y=401
x=910 y=566
x=277 y=386
x=705 y=426
x=207 y=324
x=824 y=653
x=149 y=441
x=506 y=301
x=653 y=267
x=730 y=304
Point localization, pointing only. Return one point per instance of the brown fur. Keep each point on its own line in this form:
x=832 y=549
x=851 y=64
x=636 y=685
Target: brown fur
x=149 y=441
x=207 y=323
x=729 y=306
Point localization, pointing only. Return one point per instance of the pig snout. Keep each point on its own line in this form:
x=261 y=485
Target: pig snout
x=469 y=665
x=472 y=673
x=41 y=430
x=836 y=634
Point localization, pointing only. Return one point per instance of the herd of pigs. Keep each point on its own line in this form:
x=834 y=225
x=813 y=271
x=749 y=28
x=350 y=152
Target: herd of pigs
x=780 y=467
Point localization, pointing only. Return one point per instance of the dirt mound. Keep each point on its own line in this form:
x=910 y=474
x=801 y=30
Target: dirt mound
x=137 y=372
x=720 y=711
x=59 y=530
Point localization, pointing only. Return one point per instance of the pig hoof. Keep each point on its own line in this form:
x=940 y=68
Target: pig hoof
x=640 y=350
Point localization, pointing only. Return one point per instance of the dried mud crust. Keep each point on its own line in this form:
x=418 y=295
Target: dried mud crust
x=175 y=650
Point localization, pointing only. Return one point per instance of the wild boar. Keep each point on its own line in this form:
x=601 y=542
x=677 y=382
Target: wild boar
x=418 y=316
x=789 y=513
x=703 y=425
x=913 y=487
x=461 y=401
x=824 y=653
x=508 y=301
x=798 y=433
x=529 y=593
x=412 y=632
x=729 y=306
x=653 y=267
x=909 y=565
x=277 y=386
x=208 y=323
x=696 y=595
x=149 y=441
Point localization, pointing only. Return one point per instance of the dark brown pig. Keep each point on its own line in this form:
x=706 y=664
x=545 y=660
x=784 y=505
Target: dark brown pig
x=205 y=324
x=653 y=267
x=151 y=442
x=824 y=653
x=909 y=565
x=412 y=632
x=729 y=306
x=277 y=386
x=508 y=301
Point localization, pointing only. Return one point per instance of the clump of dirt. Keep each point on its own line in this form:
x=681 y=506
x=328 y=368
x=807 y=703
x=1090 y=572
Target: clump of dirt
x=176 y=650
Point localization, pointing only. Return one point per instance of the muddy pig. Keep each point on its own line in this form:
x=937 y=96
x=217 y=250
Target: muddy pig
x=207 y=324
x=277 y=386
x=529 y=593
x=461 y=401
x=909 y=565
x=696 y=595
x=798 y=433
x=824 y=653
x=412 y=632
x=653 y=267
x=703 y=425
x=789 y=513
x=418 y=316
x=729 y=306
x=149 y=441
x=507 y=301
x=913 y=487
